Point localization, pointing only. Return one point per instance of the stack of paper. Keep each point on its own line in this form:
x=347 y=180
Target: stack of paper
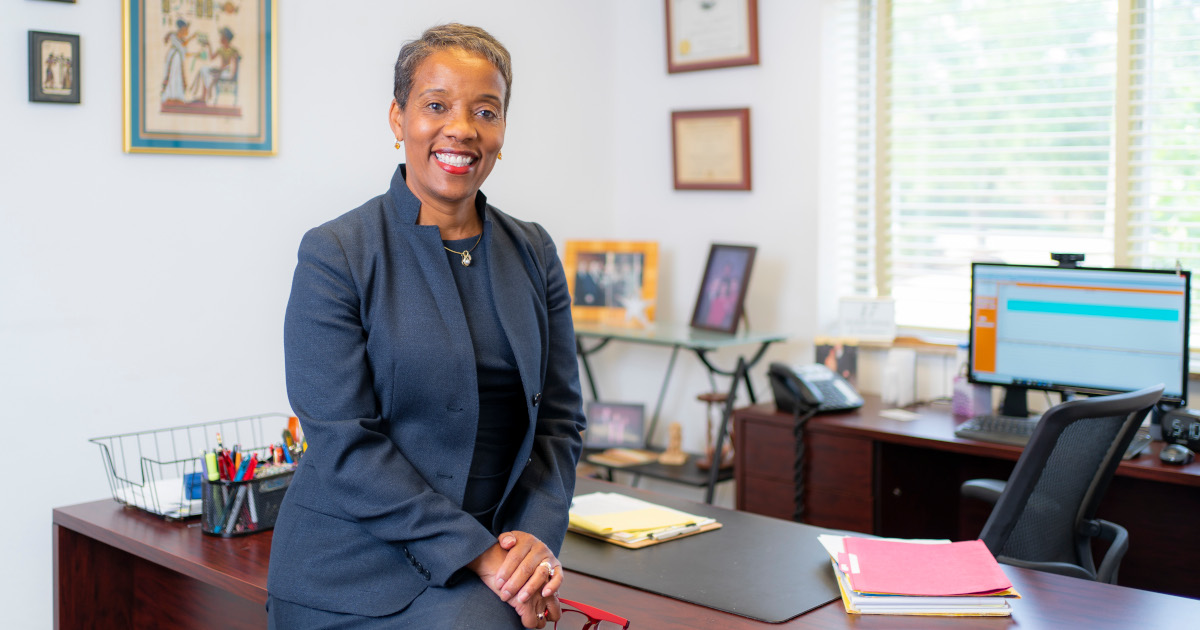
x=906 y=577
x=624 y=519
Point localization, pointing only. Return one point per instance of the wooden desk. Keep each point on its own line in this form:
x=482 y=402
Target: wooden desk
x=892 y=478
x=119 y=568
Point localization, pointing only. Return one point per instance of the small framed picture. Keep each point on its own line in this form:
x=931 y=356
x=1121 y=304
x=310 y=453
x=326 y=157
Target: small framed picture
x=614 y=425
x=612 y=283
x=723 y=288
x=53 y=67
x=711 y=149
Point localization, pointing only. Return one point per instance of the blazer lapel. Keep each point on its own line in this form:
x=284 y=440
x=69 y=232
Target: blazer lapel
x=514 y=283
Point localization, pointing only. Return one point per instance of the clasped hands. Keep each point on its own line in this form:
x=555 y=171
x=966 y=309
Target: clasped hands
x=522 y=571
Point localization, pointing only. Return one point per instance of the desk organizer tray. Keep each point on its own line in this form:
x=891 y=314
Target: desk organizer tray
x=160 y=471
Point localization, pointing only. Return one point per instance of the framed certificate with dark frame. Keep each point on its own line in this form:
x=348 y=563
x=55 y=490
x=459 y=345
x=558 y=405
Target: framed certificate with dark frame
x=705 y=34
x=711 y=149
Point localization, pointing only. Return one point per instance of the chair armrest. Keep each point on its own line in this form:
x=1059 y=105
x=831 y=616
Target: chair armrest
x=1061 y=568
x=1118 y=538
x=988 y=490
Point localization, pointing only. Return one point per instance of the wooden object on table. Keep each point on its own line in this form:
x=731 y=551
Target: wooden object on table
x=674 y=455
x=622 y=457
x=870 y=474
x=714 y=401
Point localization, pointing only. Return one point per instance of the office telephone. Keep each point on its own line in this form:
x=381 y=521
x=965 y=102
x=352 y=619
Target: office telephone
x=809 y=386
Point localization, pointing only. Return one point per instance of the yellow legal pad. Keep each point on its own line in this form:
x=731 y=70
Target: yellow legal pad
x=632 y=520
x=632 y=523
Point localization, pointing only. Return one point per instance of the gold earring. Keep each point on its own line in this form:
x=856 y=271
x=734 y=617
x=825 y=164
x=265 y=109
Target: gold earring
x=397 y=144
x=499 y=155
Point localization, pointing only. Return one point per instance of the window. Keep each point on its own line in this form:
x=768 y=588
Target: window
x=1003 y=131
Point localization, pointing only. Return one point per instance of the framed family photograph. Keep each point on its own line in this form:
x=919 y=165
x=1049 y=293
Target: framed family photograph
x=711 y=149
x=53 y=67
x=612 y=282
x=201 y=77
x=719 y=305
x=705 y=34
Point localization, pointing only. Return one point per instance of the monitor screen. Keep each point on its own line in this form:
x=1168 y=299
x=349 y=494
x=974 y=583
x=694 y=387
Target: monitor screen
x=1079 y=329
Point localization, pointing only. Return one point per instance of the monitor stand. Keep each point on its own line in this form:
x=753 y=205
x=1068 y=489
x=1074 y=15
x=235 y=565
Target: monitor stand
x=1015 y=404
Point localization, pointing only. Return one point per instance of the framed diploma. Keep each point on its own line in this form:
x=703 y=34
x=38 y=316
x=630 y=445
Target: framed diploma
x=711 y=149
x=704 y=34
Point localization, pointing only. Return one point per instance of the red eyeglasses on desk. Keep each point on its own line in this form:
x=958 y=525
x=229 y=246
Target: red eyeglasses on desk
x=577 y=616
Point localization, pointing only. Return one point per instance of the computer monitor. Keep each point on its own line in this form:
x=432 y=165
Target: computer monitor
x=1078 y=330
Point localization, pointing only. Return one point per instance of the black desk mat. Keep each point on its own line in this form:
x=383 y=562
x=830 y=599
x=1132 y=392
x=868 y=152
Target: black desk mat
x=755 y=566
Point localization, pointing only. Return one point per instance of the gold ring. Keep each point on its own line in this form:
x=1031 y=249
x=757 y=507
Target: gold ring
x=549 y=568
x=542 y=615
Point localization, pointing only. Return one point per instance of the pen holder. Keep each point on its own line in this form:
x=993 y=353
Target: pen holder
x=237 y=508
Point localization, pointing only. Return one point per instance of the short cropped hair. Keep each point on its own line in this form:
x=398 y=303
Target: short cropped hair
x=469 y=38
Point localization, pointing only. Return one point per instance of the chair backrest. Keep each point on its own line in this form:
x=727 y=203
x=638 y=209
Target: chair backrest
x=1062 y=475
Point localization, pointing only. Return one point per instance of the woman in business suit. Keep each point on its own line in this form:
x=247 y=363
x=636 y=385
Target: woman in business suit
x=430 y=357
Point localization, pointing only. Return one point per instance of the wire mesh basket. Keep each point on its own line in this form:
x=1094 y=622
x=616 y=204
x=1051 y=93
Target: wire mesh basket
x=161 y=471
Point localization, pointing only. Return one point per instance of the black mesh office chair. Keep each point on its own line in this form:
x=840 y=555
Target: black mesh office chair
x=1044 y=516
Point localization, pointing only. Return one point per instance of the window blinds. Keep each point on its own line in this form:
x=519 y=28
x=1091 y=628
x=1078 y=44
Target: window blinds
x=1005 y=131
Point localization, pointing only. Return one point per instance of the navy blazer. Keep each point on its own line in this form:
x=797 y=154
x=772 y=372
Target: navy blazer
x=381 y=372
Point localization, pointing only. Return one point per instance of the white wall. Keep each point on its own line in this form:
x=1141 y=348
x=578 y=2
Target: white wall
x=779 y=215
x=144 y=291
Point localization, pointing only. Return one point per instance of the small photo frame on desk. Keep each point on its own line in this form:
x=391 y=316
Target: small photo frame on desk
x=53 y=67
x=706 y=34
x=613 y=283
x=711 y=149
x=719 y=305
x=614 y=425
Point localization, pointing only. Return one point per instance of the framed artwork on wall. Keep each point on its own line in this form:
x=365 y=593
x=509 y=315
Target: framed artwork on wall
x=201 y=77
x=53 y=67
x=705 y=34
x=719 y=304
x=711 y=149
x=612 y=282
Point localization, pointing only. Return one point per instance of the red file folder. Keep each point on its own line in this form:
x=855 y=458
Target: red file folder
x=907 y=568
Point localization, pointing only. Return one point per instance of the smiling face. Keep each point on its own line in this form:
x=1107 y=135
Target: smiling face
x=452 y=128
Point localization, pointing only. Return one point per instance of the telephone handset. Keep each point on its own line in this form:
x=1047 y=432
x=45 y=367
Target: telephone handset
x=809 y=386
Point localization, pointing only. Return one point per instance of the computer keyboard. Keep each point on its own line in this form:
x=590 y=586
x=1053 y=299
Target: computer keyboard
x=998 y=429
x=1016 y=432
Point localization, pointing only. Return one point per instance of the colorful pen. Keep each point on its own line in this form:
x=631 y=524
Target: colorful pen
x=210 y=466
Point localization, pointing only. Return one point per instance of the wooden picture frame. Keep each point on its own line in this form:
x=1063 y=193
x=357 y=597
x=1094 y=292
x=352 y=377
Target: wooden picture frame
x=706 y=34
x=201 y=78
x=612 y=283
x=710 y=149
x=54 y=67
x=722 y=295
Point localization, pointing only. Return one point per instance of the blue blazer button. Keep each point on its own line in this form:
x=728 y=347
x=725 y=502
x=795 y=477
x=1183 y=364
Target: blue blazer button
x=537 y=398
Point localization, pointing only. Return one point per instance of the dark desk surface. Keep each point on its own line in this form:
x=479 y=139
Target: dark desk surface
x=758 y=567
x=237 y=567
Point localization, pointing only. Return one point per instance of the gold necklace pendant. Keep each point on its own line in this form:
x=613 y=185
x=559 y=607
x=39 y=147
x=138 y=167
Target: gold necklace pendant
x=466 y=254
